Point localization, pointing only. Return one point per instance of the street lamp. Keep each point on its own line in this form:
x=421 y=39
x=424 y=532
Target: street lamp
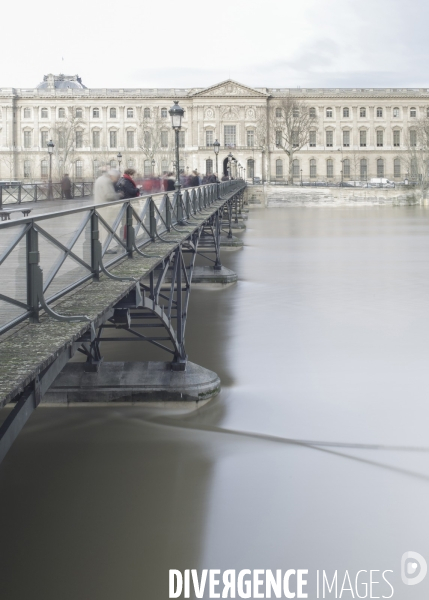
x=216 y=147
x=176 y=114
x=301 y=177
x=119 y=157
x=153 y=167
x=51 y=147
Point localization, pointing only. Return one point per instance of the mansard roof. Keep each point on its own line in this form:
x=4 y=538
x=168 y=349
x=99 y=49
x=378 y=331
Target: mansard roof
x=228 y=88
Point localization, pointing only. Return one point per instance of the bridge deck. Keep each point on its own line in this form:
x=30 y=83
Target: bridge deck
x=28 y=349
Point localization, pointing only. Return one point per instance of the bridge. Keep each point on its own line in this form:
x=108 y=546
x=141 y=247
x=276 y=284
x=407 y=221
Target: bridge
x=68 y=277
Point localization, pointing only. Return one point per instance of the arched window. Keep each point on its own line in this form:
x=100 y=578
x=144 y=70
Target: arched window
x=397 y=167
x=329 y=112
x=295 y=168
x=130 y=113
x=329 y=138
x=27 y=113
x=362 y=138
x=28 y=139
x=146 y=113
x=362 y=111
x=278 y=113
x=346 y=138
x=396 y=138
x=396 y=112
x=313 y=168
x=79 y=113
x=61 y=113
x=250 y=168
x=329 y=168
x=346 y=168
x=379 y=138
x=164 y=113
x=413 y=112
x=380 y=167
x=113 y=113
x=79 y=168
x=44 y=168
x=346 y=112
x=363 y=169
x=96 y=113
x=379 y=112
x=147 y=168
x=312 y=112
x=113 y=139
x=413 y=138
x=44 y=113
x=279 y=168
x=209 y=166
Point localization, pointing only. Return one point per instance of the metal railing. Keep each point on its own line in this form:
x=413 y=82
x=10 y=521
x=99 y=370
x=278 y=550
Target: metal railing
x=19 y=193
x=44 y=257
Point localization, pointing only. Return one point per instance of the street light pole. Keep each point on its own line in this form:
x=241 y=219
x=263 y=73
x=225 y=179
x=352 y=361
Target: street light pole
x=301 y=177
x=119 y=157
x=51 y=146
x=216 y=146
x=176 y=114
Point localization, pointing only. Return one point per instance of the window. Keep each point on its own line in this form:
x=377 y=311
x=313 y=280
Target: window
x=44 y=113
x=346 y=138
x=147 y=139
x=396 y=112
x=413 y=137
x=181 y=139
x=79 y=139
x=61 y=113
x=295 y=112
x=164 y=139
x=295 y=168
x=312 y=112
x=130 y=139
x=250 y=168
x=229 y=134
x=250 y=138
x=346 y=112
x=362 y=138
x=278 y=138
x=27 y=139
x=61 y=139
x=313 y=169
x=44 y=168
x=95 y=139
x=363 y=169
x=113 y=139
x=279 y=168
x=147 y=168
x=130 y=113
x=164 y=113
x=113 y=164
x=278 y=113
x=130 y=163
x=79 y=168
x=362 y=112
x=329 y=168
x=379 y=112
x=346 y=168
x=209 y=166
x=295 y=139
x=95 y=167
x=329 y=112
x=164 y=164
x=43 y=139
x=27 y=168
x=413 y=112
x=397 y=167
x=379 y=138
x=209 y=137
x=96 y=113
x=413 y=168
x=79 y=113
x=27 y=113
x=146 y=113
x=380 y=167
x=312 y=139
x=329 y=139
x=396 y=137
x=113 y=113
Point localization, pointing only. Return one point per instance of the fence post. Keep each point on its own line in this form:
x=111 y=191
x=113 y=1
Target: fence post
x=19 y=193
x=168 y=214
x=152 y=219
x=33 y=259
x=83 y=190
x=95 y=247
x=129 y=232
x=1 y=197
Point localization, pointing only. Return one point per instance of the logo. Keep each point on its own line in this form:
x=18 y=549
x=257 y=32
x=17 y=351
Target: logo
x=413 y=568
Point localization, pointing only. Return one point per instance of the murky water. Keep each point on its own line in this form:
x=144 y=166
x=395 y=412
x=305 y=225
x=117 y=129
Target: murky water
x=315 y=455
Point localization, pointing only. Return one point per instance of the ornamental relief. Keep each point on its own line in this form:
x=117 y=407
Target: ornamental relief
x=230 y=114
x=209 y=113
x=250 y=114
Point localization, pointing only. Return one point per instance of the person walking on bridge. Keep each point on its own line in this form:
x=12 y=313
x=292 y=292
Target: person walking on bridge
x=66 y=187
x=127 y=186
x=104 y=187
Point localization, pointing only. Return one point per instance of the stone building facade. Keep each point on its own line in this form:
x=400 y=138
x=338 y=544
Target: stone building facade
x=358 y=133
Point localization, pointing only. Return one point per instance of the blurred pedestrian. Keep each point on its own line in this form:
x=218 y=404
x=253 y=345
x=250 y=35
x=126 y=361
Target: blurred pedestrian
x=104 y=187
x=127 y=186
x=66 y=185
x=194 y=180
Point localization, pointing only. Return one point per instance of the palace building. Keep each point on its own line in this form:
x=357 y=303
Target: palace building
x=357 y=133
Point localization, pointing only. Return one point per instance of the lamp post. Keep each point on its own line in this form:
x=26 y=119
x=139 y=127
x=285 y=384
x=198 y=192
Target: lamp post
x=176 y=114
x=51 y=147
x=216 y=147
x=119 y=157
x=153 y=167
x=301 y=177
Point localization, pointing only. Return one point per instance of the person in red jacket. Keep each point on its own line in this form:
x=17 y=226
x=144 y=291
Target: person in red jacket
x=127 y=186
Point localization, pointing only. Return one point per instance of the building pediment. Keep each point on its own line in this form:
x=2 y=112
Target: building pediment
x=228 y=89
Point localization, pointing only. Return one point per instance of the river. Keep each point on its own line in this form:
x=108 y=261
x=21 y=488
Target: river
x=315 y=455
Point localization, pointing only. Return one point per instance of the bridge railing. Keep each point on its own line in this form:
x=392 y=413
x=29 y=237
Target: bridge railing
x=44 y=257
x=20 y=193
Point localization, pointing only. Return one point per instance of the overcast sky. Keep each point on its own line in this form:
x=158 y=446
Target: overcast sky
x=264 y=43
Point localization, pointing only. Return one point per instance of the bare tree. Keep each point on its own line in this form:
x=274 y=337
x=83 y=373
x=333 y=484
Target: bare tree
x=7 y=160
x=67 y=134
x=153 y=138
x=290 y=124
x=416 y=159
